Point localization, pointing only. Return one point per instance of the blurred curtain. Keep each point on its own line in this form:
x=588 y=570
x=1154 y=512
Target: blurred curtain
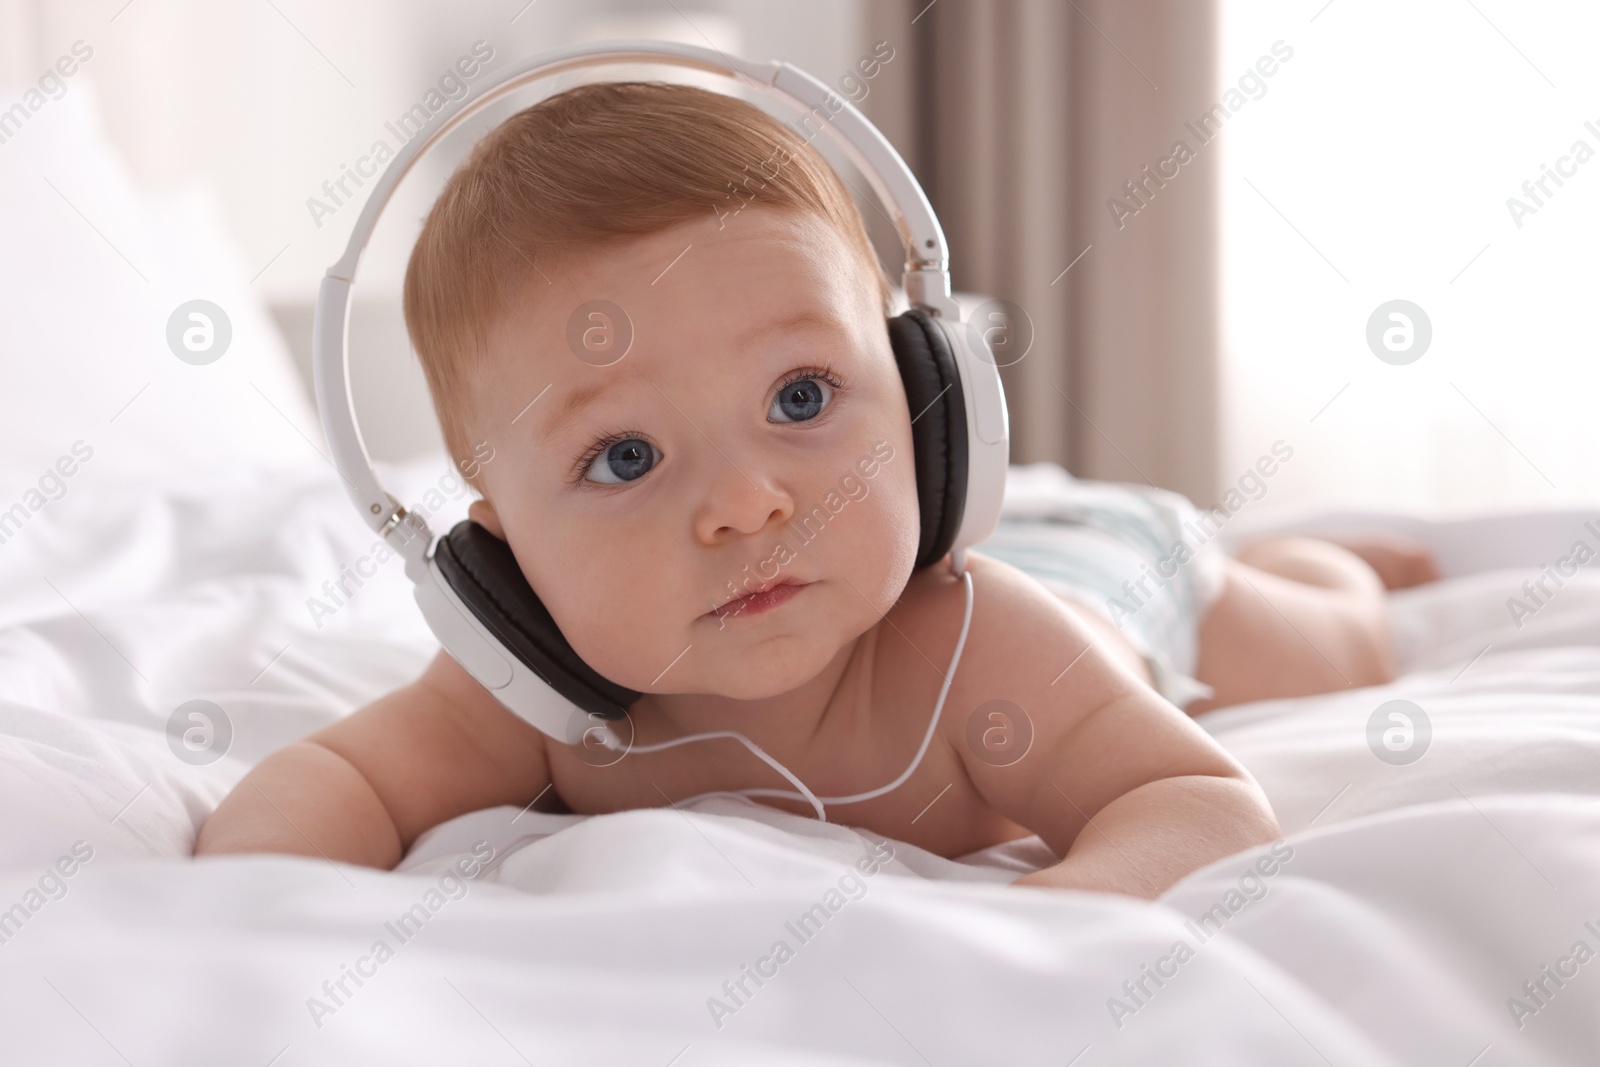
x=1023 y=119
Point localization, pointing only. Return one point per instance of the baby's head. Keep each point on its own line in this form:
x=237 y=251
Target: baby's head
x=730 y=416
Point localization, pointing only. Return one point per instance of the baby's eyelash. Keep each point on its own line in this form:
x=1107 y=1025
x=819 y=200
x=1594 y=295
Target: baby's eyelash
x=595 y=451
x=824 y=373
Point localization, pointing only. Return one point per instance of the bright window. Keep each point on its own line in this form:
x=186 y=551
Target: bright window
x=1376 y=166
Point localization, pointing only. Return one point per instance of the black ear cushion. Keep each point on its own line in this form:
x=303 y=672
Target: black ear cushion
x=484 y=574
x=938 y=428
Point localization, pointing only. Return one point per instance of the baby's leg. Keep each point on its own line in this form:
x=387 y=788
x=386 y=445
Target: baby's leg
x=1296 y=616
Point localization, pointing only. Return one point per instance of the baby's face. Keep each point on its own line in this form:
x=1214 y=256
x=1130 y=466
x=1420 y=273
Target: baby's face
x=755 y=432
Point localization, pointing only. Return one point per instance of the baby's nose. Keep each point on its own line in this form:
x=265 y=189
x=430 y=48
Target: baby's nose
x=741 y=502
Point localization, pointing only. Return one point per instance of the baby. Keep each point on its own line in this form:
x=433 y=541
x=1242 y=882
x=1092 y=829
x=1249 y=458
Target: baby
x=752 y=376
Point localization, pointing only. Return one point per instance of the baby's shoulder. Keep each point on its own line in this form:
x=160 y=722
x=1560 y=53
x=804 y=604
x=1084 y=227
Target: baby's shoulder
x=1031 y=676
x=1006 y=602
x=1020 y=639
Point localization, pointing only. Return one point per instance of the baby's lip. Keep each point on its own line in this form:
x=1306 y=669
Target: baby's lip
x=735 y=605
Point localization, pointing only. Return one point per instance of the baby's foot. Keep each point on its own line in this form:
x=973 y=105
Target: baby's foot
x=1399 y=562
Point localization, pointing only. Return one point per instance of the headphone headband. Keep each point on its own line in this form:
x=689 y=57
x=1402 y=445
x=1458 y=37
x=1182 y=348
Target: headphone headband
x=926 y=277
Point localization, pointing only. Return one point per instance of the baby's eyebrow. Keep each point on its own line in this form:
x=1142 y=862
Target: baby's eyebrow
x=576 y=401
x=805 y=319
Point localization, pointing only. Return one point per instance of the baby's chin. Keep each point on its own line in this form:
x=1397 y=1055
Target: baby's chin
x=741 y=686
x=739 y=673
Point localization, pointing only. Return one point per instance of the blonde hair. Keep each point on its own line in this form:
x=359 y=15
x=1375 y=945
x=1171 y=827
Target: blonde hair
x=596 y=163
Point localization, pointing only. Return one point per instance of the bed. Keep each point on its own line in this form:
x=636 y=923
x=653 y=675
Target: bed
x=172 y=611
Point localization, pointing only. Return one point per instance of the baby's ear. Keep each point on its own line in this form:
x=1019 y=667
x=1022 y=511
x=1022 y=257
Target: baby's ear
x=482 y=513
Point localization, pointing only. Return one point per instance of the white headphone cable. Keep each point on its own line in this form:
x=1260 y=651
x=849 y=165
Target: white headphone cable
x=610 y=741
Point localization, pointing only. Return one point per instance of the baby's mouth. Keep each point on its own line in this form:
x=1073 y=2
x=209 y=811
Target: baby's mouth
x=764 y=599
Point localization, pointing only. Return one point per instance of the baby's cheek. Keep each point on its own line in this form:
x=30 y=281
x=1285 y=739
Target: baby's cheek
x=898 y=516
x=621 y=631
x=882 y=545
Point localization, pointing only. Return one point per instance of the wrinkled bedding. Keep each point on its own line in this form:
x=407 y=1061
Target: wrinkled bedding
x=1430 y=911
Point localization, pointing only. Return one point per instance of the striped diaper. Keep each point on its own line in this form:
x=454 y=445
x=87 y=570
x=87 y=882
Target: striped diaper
x=1143 y=558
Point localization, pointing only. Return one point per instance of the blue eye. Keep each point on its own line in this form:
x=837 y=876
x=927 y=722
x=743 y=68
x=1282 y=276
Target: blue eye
x=623 y=461
x=800 y=400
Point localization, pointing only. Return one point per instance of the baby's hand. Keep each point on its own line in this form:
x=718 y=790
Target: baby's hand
x=1399 y=562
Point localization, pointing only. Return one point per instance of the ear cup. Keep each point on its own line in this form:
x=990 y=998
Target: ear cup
x=938 y=428
x=484 y=574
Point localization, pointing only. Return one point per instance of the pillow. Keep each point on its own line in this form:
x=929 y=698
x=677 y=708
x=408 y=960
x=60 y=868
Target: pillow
x=92 y=273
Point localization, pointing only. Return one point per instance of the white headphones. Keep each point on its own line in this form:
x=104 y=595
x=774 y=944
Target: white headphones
x=468 y=585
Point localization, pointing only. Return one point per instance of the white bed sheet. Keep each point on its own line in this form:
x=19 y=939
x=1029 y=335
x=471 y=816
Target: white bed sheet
x=1417 y=901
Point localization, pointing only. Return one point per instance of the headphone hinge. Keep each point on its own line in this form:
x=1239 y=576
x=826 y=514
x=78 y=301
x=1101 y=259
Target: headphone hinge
x=927 y=286
x=414 y=542
x=396 y=517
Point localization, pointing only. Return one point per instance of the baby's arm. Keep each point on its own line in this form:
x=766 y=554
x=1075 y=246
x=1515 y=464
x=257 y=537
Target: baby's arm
x=1120 y=783
x=363 y=789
